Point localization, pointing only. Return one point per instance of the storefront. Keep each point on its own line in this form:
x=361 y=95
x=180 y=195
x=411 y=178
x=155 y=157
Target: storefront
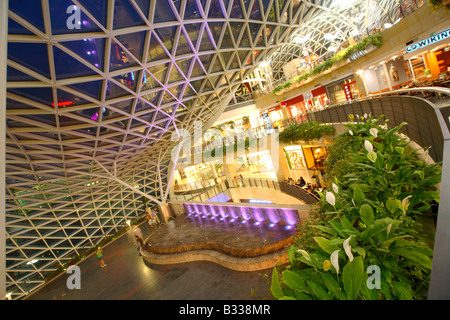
x=429 y=58
x=296 y=108
x=320 y=98
x=343 y=90
x=276 y=116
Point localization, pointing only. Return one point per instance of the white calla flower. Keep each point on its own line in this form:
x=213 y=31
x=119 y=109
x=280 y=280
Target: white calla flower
x=335 y=187
x=350 y=132
x=304 y=254
x=334 y=258
x=374 y=132
x=348 y=248
x=405 y=204
x=368 y=146
x=389 y=227
x=331 y=199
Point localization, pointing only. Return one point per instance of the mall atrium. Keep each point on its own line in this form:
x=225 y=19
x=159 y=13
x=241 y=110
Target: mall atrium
x=114 y=108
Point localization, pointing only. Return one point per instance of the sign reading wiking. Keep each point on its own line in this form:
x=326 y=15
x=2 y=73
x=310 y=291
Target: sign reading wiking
x=429 y=41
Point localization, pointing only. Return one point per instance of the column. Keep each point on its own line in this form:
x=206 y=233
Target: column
x=3 y=56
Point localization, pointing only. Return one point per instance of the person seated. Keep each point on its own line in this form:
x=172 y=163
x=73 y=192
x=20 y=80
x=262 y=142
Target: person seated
x=302 y=182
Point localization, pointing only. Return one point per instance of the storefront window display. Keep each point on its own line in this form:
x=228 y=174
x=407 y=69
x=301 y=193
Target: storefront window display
x=344 y=90
x=275 y=115
x=295 y=157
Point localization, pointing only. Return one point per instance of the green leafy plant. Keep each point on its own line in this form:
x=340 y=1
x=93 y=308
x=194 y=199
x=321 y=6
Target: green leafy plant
x=365 y=222
x=435 y=5
x=305 y=131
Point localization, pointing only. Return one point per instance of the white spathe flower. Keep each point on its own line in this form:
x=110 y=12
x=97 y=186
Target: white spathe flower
x=389 y=227
x=335 y=187
x=365 y=115
x=350 y=132
x=374 y=132
x=405 y=204
x=348 y=248
x=331 y=199
x=304 y=254
x=334 y=258
x=368 y=146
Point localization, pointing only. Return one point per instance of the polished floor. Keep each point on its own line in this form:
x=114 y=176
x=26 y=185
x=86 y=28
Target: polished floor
x=127 y=277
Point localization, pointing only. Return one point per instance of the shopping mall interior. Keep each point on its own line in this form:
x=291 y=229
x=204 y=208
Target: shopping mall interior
x=225 y=150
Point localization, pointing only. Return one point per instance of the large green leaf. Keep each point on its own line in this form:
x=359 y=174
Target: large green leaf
x=318 y=290
x=366 y=213
x=326 y=244
x=332 y=286
x=414 y=255
x=275 y=287
x=295 y=281
x=358 y=195
x=352 y=277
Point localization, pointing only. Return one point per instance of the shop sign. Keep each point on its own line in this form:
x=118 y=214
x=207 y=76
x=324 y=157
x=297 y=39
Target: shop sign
x=429 y=41
x=348 y=93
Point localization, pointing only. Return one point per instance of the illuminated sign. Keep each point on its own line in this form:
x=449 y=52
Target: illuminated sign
x=63 y=103
x=429 y=41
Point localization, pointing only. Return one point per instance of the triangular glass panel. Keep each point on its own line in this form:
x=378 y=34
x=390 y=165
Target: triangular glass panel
x=206 y=59
x=92 y=88
x=66 y=99
x=227 y=56
x=244 y=57
x=16 y=75
x=91 y=50
x=197 y=70
x=119 y=58
x=175 y=75
x=153 y=97
x=255 y=13
x=245 y=39
x=167 y=36
x=129 y=79
x=148 y=82
x=216 y=30
x=215 y=11
x=216 y=66
x=226 y=4
x=159 y=72
x=270 y=11
x=144 y=5
x=115 y=91
x=97 y=8
x=63 y=23
x=236 y=30
x=167 y=98
x=188 y=92
x=126 y=105
x=208 y=86
x=163 y=12
x=91 y=113
x=197 y=85
x=214 y=79
x=206 y=43
x=236 y=10
x=141 y=105
x=42 y=95
x=184 y=65
x=156 y=50
x=255 y=31
x=193 y=31
x=38 y=61
x=177 y=91
x=16 y=28
x=183 y=46
x=192 y=11
x=148 y=116
x=133 y=42
x=68 y=67
x=30 y=11
x=125 y=15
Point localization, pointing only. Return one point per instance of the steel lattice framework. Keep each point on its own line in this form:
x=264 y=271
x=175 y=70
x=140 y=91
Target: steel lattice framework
x=92 y=104
x=340 y=19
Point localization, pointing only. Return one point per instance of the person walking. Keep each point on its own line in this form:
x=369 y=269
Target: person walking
x=100 y=257
x=140 y=244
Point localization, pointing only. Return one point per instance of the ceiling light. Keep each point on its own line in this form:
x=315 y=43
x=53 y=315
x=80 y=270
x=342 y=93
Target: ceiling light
x=329 y=36
x=32 y=261
x=354 y=33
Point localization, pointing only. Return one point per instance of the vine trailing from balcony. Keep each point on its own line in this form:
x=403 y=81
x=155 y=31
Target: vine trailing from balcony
x=305 y=131
x=375 y=40
x=364 y=240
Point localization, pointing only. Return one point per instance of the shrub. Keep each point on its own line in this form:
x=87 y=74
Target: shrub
x=306 y=131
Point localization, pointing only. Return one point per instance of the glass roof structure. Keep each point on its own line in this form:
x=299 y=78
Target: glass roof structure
x=95 y=90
